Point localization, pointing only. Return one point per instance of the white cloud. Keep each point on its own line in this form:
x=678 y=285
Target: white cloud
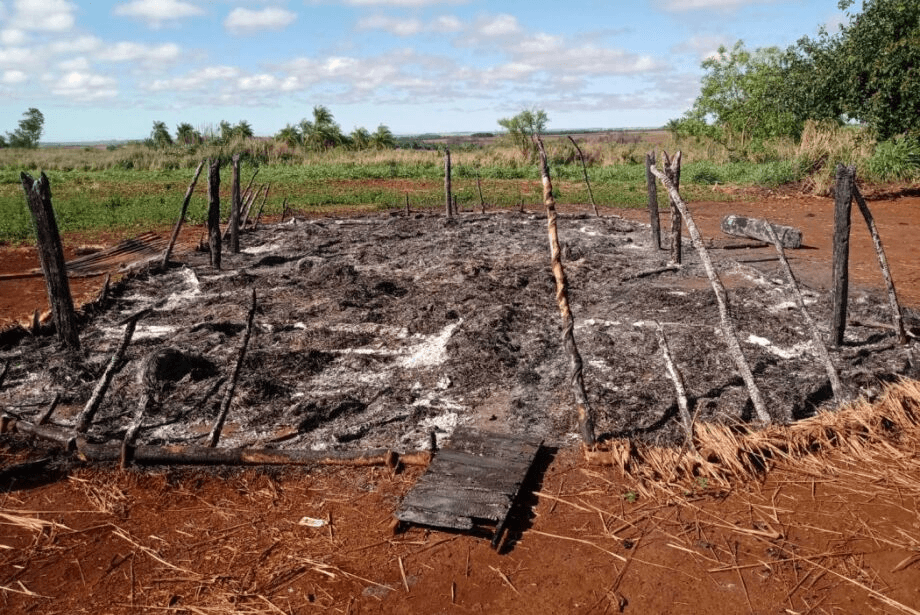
x=196 y=80
x=14 y=37
x=242 y=21
x=157 y=12
x=13 y=77
x=135 y=52
x=691 y=5
x=500 y=25
x=42 y=15
x=85 y=87
x=701 y=46
x=16 y=56
x=393 y=25
x=447 y=23
x=402 y=3
x=80 y=63
x=83 y=44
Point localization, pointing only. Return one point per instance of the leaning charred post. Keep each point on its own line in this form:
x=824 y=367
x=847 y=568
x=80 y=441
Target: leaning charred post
x=728 y=328
x=583 y=410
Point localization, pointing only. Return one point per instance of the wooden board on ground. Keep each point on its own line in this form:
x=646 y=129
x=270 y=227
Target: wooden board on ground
x=472 y=481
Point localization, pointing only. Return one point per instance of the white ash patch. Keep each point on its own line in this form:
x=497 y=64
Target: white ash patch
x=141 y=332
x=263 y=249
x=431 y=350
x=784 y=353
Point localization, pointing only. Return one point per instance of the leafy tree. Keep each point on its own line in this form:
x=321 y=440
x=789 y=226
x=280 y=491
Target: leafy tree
x=879 y=54
x=243 y=130
x=383 y=138
x=159 y=135
x=322 y=132
x=524 y=128
x=3 y=142
x=29 y=132
x=226 y=131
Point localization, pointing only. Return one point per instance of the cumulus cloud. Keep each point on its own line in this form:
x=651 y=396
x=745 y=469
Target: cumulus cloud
x=701 y=46
x=42 y=15
x=196 y=80
x=402 y=3
x=13 y=77
x=157 y=12
x=691 y=5
x=80 y=86
x=136 y=52
x=393 y=25
x=499 y=25
x=242 y=21
x=13 y=37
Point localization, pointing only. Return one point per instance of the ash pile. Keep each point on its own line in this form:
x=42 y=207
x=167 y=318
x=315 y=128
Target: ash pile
x=373 y=332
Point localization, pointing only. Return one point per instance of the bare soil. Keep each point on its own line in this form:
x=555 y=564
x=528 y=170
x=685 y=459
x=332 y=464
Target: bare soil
x=376 y=331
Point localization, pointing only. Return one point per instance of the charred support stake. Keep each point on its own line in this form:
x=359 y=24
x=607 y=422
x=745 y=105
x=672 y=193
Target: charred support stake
x=46 y=415
x=577 y=380
x=284 y=209
x=482 y=202
x=447 y=196
x=214 y=436
x=679 y=386
x=408 y=213
x=102 y=386
x=672 y=170
x=127 y=445
x=188 y=197
x=235 y=205
x=843 y=198
x=214 y=212
x=248 y=201
x=883 y=264
x=51 y=255
x=255 y=224
x=584 y=169
x=4 y=371
x=652 y=200
x=104 y=291
x=728 y=328
x=252 y=202
x=832 y=375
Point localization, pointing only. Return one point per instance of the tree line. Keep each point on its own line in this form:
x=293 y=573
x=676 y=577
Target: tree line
x=867 y=73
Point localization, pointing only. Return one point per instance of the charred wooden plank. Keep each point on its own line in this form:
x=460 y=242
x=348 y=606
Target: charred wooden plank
x=757 y=228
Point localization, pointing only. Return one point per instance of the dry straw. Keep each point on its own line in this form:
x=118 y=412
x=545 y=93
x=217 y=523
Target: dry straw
x=730 y=453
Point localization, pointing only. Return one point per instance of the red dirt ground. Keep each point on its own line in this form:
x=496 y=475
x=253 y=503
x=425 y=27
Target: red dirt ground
x=828 y=535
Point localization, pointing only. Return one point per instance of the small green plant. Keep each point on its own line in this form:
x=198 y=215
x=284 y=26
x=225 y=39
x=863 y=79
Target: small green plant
x=631 y=497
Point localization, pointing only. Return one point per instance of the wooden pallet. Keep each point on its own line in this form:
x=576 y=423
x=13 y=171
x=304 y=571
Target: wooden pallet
x=472 y=481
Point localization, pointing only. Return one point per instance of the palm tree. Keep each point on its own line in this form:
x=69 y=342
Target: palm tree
x=383 y=138
x=159 y=135
x=226 y=131
x=186 y=134
x=323 y=132
x=243 y=129
x=288 y=135
x=360 y=138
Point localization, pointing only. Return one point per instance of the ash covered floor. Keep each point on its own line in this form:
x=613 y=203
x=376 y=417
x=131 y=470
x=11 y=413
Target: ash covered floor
x=372 y=332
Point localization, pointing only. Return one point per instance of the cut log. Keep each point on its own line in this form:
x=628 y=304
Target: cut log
x=576 y=378
x=757 y=228
x=728 y=327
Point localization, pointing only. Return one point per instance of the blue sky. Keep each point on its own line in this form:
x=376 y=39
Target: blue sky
x=107 y=70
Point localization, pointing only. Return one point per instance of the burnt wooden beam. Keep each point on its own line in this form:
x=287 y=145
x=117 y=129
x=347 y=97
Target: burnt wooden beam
x=584 y=169
x=214 y=212
x=843 y=198
x=652 y=189
x=896 y=318
x=51 y=255
x=235 y=205
x=576 y=367
x=185 y=202
x=728 y=327
x=447 y=193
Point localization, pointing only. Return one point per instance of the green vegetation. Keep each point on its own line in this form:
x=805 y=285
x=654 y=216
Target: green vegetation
x=523 y=130
x=29 y=132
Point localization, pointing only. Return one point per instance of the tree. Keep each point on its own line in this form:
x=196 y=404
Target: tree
x=159 y=135
x=29 y=132
x=187 y=135
x=383 y=138
x=524 y=128
x=322 y=132
x=226 y=131
x=360 y=138
x=289 y=135
x=879 y=55
x=243 y=130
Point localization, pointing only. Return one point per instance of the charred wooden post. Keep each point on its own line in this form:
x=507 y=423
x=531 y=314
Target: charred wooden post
x=188 y=197
x=577 y=381
x=843 y=198
x=482 y=202
x=214 y=212
x=235 y=205
x=255 y=223
x=248 y=202
x=4 y=371
x=249 y=185
x=672 y=170
x=728 y=328
x=252 y=202
x=214 y=436
x=408 y=213
x=836 y=385
x=584 y=169
x=896 y=318
x=447 y=194
x=284 y=209
x=102 y=386
x=680 y=388
x=51 y=255
x=652 y=200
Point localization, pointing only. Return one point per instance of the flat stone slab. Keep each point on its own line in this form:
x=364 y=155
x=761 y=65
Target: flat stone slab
x=756 y=228
x=472 y=481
